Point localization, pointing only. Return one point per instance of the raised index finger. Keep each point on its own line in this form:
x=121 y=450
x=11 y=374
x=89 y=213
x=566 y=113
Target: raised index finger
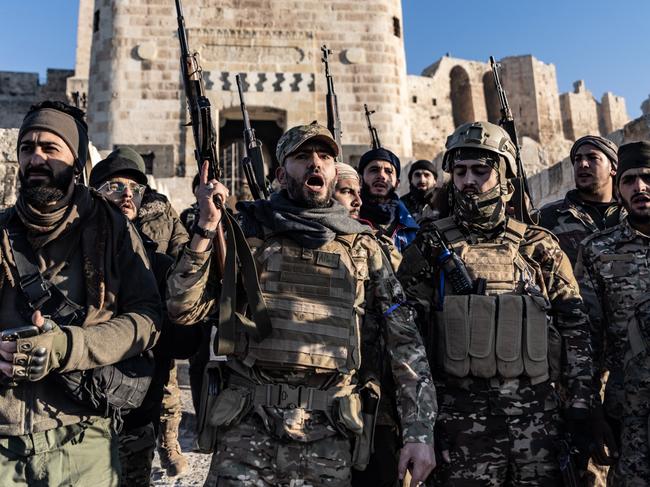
x=205 y=169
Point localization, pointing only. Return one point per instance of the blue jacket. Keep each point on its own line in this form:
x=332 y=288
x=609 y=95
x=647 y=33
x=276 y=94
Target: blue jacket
x=406 y=228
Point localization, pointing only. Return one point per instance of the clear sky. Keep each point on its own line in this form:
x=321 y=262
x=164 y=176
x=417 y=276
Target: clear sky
x=601 y=41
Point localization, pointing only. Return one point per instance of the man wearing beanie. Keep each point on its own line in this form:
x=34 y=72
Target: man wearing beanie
x=122 y=180
x=380 y=170
x=290 y=409
x=155 y=218
x=592 y=205
x=423 y=178
x=76 y=275
x=613 y=267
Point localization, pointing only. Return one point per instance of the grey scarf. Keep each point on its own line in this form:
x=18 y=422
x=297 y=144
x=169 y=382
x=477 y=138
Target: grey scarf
x=310 y=227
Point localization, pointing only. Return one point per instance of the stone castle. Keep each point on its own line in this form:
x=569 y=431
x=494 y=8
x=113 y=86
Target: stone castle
x=127 y=76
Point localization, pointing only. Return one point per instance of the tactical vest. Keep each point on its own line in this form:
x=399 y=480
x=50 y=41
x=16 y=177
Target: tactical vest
x=505 y=332
x=314 y=298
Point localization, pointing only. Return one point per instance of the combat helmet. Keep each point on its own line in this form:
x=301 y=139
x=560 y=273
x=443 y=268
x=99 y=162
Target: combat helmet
x=482 y=135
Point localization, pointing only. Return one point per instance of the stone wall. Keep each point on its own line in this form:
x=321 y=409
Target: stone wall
x=8 y=166
x=19 y=91
x=275 y=44
x=579 y=112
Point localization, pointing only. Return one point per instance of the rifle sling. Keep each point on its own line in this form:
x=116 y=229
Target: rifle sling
x=230 y=321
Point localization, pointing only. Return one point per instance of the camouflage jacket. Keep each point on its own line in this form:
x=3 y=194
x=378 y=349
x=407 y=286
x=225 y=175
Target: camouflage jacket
x=420 y=275
x=613 y=270
x=191 y=297
x=572 y=220
x=421 y=209
x=158 y=220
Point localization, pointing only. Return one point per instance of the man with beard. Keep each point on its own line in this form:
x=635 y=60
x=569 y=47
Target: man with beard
x=591 y=206
x=382 y=467
x=290 y=411
x=613 y=267
x=493 y=336
x=122 y=180
x=382 y=208
x=583 y=211
x=69 y=256
x=423 y=178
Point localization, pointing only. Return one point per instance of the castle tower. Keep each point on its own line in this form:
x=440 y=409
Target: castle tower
x=135 y=96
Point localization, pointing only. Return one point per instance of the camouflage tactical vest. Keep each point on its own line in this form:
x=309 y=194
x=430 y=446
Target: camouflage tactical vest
x=504 y=332
x=315 y=299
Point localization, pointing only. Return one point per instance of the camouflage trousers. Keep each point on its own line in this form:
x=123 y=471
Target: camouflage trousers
x=172 y=407
x=633 y=468
x=248 y=456
x=76 y=455
x=137 y=448
x=489 y=450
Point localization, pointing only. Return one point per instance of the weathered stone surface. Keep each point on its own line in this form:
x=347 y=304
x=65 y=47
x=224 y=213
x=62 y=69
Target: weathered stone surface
x=8 y=166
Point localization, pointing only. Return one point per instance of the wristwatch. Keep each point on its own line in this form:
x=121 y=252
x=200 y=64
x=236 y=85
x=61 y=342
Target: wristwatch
x=202 y=232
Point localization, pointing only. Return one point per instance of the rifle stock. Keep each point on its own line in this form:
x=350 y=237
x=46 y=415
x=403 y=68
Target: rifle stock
x=332 y=104
x=198 y=105
x=525 y=210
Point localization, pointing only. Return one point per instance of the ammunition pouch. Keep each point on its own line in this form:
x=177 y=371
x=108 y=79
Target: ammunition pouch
x=488 y=336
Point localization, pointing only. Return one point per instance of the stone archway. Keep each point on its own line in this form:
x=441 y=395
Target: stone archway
x=492 y=104
x=461 y=96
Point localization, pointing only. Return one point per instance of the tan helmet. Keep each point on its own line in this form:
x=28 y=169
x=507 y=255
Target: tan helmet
x=482 y=135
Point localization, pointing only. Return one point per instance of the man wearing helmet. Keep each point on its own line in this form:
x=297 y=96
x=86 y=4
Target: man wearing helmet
x=498 y=338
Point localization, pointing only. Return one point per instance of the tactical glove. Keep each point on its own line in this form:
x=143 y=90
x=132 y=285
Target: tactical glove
x=37 y=356
x=602 y=434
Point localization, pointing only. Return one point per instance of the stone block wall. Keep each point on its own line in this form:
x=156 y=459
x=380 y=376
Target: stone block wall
x=579 y=112
x=8 y=167
x=134 y=86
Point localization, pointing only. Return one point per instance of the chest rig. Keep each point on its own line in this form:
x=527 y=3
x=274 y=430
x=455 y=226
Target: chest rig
x=502 y=332
x=314 y=298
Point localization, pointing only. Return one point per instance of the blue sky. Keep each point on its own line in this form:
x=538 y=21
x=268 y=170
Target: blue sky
x=600 y=41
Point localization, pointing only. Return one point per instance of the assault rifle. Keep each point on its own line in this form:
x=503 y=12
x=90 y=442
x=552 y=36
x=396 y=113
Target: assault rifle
x=333 y=120
x=205 y=138
x=373 y=131
x=253 y=161
x=524 y=209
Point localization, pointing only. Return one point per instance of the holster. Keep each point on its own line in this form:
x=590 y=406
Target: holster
x=211 y=386
x=364 y=443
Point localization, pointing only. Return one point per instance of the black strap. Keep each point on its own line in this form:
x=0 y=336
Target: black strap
x=39 y=292
x=237 y=249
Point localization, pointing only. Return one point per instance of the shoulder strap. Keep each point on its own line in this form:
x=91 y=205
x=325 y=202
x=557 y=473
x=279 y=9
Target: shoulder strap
x=449 y=229
x=40 y=293
x=515 y=230
x=237 y=249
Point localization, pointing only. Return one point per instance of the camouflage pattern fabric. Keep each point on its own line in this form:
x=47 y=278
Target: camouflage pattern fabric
x=248 y=456
x=136 y=449
x=572 y=220
x=191 y=297
x=613 y=270
x=489 y=450
x=485 y=412
x=159 y=221
x=80 y=454
x=171 y=403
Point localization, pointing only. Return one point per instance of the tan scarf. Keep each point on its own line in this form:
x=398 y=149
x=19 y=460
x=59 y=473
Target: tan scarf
x=83 y=213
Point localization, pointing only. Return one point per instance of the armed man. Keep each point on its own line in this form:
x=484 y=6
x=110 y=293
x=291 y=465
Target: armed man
x=380 y=170
x=121 y=179
x=588 y=208
x=502 y=318
x=77 y=295
x=613 y=268
x=423 y=179
x=382 y=467
x=290 y=411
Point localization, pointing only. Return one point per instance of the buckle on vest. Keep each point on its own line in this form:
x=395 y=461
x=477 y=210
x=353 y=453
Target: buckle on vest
x=37 y=289
x=287 y=397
